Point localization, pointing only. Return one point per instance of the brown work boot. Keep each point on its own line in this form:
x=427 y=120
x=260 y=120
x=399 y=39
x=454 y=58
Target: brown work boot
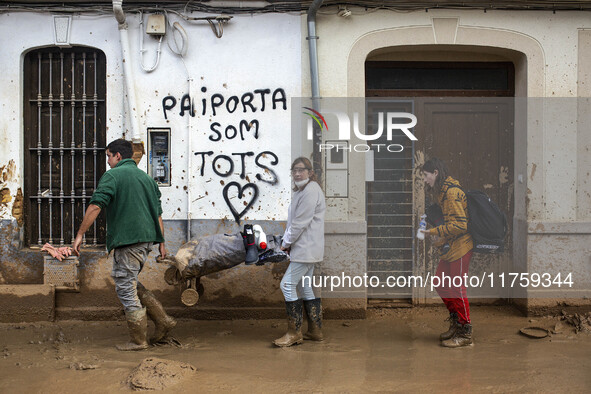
x=314 y=314
x=294 y=325
x=156 y=312
x=137 y=323
x=462 y=337
x=453 y=327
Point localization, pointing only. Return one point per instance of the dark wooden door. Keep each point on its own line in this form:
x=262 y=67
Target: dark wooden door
x=465 y=117
x=474 y=137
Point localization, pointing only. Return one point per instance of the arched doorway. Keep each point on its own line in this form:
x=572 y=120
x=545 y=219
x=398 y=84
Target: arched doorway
x=465 y=112
x=527 y=55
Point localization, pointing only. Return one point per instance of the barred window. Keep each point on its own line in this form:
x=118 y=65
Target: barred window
x=64 y=144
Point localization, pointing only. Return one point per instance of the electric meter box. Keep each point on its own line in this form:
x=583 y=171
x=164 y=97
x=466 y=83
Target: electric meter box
x=159 y=155
x=156 y=25
x=337 y=170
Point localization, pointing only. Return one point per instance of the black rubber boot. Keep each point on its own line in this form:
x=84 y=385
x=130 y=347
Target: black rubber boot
x=314 y=314
x=137 y=323
x=156 y=312
x=453 y=327
x=293 y=336
x=462 y=337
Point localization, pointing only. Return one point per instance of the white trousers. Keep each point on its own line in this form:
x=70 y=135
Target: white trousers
x=292 y=283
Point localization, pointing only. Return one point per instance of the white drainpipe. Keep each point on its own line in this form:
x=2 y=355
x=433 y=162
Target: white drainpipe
x=127 y=70
x=314 y=80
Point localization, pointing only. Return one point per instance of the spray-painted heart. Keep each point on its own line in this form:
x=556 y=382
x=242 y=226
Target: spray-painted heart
x=241 y=190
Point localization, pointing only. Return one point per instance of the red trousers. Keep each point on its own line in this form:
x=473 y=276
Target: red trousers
x=455 y=297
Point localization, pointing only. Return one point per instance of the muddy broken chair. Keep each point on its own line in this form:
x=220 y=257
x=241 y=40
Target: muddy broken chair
x=215 y=253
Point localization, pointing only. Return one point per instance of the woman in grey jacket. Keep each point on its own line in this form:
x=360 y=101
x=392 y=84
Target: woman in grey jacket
x=304 y=241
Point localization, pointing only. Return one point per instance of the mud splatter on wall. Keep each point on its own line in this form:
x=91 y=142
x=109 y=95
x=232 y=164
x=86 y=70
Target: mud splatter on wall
x=8 y=183
x=17 y=207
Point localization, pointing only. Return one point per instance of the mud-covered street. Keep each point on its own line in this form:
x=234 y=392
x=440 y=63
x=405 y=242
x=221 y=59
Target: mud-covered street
x=394 y=350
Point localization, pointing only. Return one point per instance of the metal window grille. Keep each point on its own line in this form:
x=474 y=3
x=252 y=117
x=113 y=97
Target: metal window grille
x=65 y=136
x=389 y=212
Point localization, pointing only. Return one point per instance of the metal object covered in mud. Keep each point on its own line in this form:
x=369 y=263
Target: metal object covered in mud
x=534 y=332
x=62 y=274
x=190 y=297
x=191 y=290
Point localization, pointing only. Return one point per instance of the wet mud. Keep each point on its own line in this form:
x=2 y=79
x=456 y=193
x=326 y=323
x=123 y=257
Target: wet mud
x=393 y=350
x=158 y=374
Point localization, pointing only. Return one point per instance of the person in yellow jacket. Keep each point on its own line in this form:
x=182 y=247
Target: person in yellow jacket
x=455 y=260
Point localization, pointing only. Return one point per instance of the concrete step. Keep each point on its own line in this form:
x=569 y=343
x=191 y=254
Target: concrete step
x=27 y=303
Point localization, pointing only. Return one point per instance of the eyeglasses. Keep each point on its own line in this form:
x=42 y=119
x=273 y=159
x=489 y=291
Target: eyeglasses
x=298 y=170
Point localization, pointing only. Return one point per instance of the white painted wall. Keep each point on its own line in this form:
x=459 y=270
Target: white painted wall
x=549 y=142
x=255 y=52
x=555 y=33
x=552 y=135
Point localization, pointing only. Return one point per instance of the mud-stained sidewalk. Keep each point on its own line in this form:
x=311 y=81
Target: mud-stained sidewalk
x=394 y=350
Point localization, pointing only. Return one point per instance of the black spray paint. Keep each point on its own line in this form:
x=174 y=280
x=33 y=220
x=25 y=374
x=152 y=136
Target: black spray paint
x=241 y=189
x=248 y=102
x=223 y=165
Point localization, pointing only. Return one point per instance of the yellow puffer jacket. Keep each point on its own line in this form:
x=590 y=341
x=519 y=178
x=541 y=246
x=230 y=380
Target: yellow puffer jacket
x=454 y=231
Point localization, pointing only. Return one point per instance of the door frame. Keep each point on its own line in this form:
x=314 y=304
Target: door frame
x=420 y=259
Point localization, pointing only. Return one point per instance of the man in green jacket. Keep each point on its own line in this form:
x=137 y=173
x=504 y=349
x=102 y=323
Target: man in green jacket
x=134 y=223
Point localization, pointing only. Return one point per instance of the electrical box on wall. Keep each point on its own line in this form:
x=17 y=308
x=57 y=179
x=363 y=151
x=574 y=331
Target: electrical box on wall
x=337 y=169
x=159 y=155
x=156 y=25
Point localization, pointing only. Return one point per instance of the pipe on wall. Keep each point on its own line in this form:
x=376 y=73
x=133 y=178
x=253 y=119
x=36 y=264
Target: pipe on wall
x=127 y=70
x=314 y=81
x=189 y=160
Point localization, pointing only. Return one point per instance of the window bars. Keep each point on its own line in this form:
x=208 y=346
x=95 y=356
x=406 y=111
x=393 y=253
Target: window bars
x=66 y=110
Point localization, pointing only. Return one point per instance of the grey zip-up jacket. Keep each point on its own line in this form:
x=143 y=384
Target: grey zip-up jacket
x=305 y=225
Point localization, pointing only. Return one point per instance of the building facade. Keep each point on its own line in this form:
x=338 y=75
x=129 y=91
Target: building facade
x=501 y=95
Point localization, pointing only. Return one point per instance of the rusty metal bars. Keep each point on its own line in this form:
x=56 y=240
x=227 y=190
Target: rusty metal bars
x=84 y=138
x=95 y=142
x=39 y=146
x=49 y=95
x=50 y=146
x=73 y=147
x=61 y=148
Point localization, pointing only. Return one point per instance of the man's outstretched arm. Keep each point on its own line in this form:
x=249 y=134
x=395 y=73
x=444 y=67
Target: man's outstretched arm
x=162 y=247
x=89 y=217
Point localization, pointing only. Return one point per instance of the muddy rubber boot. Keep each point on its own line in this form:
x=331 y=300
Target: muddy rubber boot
x=137 y=323
x=462 y=337
x=314 y=314
x=293 y=336
x=156 y=312
x=453 y=327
